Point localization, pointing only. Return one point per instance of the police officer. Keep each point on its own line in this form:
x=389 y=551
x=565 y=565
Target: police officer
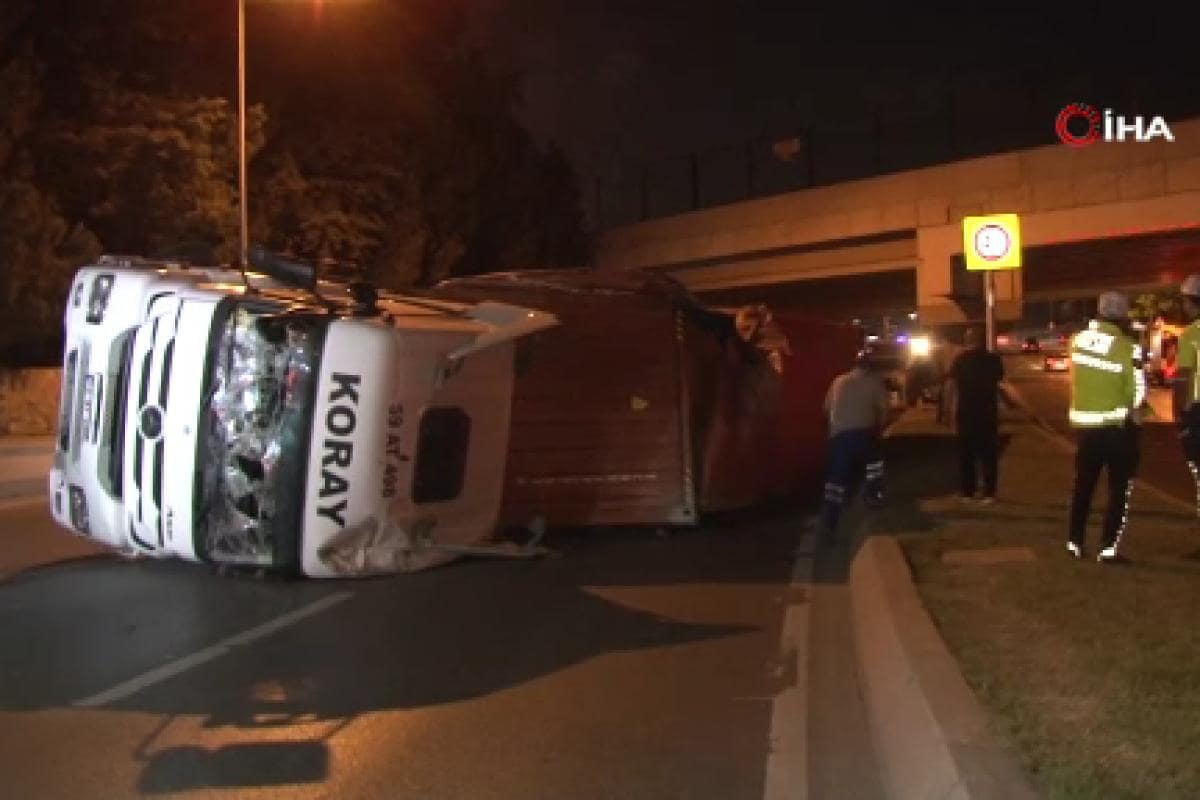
x=1186 y=394
x=1107 y=389
x=856 y=407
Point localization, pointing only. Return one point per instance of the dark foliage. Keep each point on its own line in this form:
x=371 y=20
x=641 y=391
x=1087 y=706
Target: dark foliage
x=382 y=136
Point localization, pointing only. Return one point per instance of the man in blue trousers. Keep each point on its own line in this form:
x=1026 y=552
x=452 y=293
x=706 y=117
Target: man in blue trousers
x=856 y=408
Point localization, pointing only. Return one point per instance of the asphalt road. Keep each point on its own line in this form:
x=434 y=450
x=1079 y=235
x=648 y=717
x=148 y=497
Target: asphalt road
x=631 y=665
x=1048 y=395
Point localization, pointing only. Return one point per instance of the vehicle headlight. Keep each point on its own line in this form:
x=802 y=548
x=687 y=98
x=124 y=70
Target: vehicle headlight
x=920 y=346
x=98 y=298
x=79 y=511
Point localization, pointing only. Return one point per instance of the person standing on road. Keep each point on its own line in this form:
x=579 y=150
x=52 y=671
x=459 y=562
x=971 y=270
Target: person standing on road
x=856 y=408
x=1107 y=389
x=1186 y=388
x=977 y=374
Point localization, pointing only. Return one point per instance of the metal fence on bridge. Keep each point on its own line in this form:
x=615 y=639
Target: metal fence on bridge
x=833 y=152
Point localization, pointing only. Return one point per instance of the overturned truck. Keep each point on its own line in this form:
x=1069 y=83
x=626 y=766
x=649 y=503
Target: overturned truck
x=644 y=407
x=274 y=422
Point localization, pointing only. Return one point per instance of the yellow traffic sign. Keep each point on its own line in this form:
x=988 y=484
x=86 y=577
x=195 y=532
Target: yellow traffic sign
x=992 y=242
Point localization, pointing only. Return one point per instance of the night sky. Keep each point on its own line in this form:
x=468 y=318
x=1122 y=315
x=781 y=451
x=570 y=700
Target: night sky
x=627 y=86
x=625 y=83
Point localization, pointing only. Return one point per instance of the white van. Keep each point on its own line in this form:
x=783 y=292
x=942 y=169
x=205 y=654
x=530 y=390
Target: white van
x=280 y=423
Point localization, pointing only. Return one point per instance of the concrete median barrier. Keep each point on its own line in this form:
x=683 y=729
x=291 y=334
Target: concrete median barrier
x=930 y=731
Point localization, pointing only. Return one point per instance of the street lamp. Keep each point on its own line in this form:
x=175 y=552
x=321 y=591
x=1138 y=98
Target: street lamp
x=244 y=218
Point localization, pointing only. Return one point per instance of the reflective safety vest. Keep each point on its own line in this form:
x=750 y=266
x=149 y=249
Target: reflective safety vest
x=1187 y=357
x=1107 y=383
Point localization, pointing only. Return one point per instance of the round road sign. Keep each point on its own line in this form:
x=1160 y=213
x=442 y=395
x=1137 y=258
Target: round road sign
x=992 y=242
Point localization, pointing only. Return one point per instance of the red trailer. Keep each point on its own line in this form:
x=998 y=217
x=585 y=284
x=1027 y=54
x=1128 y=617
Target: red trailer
x=643 y=407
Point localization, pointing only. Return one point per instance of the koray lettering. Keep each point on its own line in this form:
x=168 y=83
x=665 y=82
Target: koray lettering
x=338 y=449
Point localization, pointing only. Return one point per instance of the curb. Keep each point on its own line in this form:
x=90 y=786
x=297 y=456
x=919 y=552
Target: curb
x=23 y=489
x=26 y=445
x=25 y=463
x=931 y=734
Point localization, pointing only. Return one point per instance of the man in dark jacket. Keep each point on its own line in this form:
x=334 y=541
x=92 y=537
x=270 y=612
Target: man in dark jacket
x=977 y=374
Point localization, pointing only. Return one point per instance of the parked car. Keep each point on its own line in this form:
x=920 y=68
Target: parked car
x=909 y=366
x=1058 y=340
x=1056 y=362
x=1162 y=346
x=1031 y=345
x=1007 y=343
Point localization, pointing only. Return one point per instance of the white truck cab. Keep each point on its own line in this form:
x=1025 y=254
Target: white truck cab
x=251 y=422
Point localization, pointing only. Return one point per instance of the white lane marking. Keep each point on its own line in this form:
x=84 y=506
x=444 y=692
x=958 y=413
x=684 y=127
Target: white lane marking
x=181 y=665
x=787 y=761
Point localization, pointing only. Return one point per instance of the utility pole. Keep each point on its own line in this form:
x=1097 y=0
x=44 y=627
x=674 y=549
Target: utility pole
x=244 y=247
x=989 y=292
x=694 y=172
x=749 y=169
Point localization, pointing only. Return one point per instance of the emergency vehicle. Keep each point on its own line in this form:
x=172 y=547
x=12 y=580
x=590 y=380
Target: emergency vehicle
x=279 y=423
x=1162 y=344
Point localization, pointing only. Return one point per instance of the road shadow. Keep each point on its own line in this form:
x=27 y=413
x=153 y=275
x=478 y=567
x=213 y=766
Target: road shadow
x=448 y=635
x=456 y=632
x=740 y=546
x=921 y=467
x=259 y=764
x=463 y=631
x=408 y=642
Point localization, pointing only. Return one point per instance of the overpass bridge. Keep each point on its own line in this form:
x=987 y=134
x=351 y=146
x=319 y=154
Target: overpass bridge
x=1112 y=215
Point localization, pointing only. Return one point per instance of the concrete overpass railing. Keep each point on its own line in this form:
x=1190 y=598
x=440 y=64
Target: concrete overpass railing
x=912 y=219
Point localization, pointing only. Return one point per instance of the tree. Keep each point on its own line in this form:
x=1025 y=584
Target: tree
x=40 y=249
x=1148 y=306
x=149 y=174
x=392 y=143
x=38 y=245
x=409 y=160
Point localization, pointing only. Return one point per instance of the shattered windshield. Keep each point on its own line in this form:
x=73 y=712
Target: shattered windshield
x=260 y=381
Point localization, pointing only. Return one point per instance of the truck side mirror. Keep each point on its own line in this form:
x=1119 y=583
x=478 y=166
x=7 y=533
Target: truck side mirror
x=366 y=299
x=293 y=273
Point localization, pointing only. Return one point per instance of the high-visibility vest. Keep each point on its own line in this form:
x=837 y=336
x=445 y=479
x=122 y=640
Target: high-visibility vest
x=1107 y=384
x=1187 y=357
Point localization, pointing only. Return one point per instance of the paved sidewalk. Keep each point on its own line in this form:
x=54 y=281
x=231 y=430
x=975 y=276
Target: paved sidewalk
x=24 y=465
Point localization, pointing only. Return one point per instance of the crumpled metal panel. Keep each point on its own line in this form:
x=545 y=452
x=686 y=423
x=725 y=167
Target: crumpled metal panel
x=376 y=547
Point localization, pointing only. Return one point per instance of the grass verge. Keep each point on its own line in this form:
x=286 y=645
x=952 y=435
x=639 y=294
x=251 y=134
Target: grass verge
x=1091 y=671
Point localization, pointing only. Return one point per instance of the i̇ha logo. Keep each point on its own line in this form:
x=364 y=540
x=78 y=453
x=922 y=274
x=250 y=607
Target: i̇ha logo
x=1080 y=124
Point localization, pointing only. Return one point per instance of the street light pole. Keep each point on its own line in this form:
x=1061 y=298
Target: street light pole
x=245 y=227
x=989 y=300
